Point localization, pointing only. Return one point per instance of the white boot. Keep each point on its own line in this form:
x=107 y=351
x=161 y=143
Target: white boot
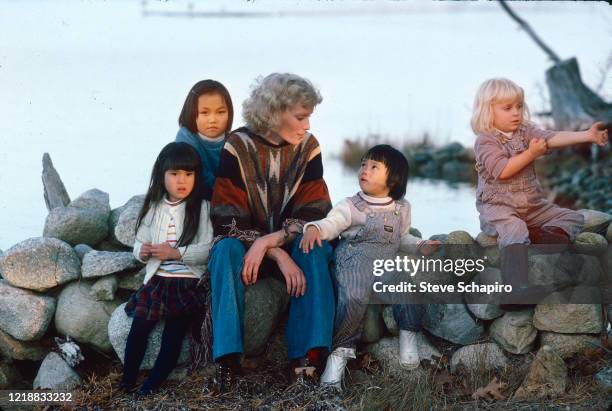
x=335 y=366
x=408 y=349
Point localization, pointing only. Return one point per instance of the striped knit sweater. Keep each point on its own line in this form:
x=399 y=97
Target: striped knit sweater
x=260 y=186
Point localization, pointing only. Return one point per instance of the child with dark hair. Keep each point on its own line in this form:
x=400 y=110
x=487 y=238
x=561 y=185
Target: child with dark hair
x=205 y=122
x=173 y=238
x=372 y=224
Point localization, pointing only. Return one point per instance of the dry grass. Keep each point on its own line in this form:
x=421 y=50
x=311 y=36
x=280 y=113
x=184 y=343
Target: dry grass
x=369 y=386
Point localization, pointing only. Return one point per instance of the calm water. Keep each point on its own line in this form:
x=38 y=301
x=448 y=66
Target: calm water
x=99 y=86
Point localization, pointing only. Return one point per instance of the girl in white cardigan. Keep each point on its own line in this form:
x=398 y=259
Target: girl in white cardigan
x=173 y=238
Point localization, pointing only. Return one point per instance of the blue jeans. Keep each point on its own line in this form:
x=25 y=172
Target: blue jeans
x=409 y=316
x=311 y=316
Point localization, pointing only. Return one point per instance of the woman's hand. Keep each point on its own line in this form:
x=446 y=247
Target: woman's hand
x=165 y=252
x=598 y=134
x=252 y=260
x=311 y=235
x=537 y=147
x=145 y=251
x=429 y=247
x=294 y=277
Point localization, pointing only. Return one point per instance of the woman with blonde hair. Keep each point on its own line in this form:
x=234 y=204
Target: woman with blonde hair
x=269 y=184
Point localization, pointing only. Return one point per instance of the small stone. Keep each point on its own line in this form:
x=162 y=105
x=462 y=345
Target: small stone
x=386 y=350
x=104 y=289
x=482 y=305
x=20 y=350
x=81 y=250
x=568 y=318
x=452 y=322
x=133 y=279
x=515 y=332
x=485 y=356
x=568 y=345
x=595 y=221
x=55 y=374
x=590 y=243
x=547 y=377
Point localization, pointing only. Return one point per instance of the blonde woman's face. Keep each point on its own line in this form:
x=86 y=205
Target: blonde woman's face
x=508 y=115
x=295 y=123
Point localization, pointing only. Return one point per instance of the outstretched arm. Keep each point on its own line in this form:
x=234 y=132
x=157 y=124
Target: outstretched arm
x=596 y=134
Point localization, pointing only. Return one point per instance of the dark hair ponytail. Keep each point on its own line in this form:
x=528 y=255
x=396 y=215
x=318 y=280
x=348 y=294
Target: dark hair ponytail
x=176 y=156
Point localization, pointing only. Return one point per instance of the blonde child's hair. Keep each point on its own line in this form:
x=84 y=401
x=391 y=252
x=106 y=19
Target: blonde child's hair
x=490 y=92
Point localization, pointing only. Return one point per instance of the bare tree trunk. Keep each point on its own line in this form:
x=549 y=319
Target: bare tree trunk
x=574 y=105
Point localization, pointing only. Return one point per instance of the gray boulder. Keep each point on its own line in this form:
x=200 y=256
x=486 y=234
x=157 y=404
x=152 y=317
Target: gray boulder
x=490 y=249
x=40 y=263
x=104 y=289
x=14 y=349
x=452 y=322
x=604 y=377
x=265 y=302
x=515 y=332
x=484 y=240
x=125 y=229
x=475 y=357
x=84 y=220
x=119 y=328
x=82 y=317
x=547 y=377
x=461 y=245
x=23 y=314
x=567 y=345
x=568 y=318
x=590 y=243
x=595 y=221
x=55 y=374
x=609 y=233
x=102 y=263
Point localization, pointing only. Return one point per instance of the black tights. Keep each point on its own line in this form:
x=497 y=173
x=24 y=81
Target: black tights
x=172 y=338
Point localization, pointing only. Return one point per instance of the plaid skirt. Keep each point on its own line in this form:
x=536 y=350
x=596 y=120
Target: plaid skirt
x=164 y=297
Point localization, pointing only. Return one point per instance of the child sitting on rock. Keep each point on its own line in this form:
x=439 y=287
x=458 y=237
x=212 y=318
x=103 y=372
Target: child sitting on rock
x=173 y=238
x=509 y=197
x=373 y=224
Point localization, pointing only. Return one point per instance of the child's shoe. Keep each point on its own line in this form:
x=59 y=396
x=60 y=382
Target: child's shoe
x=335 y=366
x=408 y=349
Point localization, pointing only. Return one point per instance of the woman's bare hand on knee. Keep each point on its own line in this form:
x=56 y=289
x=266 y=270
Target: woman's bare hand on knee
x=294 y=277
x=252 y=261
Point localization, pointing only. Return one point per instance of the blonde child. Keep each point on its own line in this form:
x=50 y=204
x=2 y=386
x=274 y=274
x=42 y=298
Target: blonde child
x=173 y=238
x=372 y=224
x=509 y=197
x=205 y=122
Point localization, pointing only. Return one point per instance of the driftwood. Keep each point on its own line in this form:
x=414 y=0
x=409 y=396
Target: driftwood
x=574 y=105
x=55 y=192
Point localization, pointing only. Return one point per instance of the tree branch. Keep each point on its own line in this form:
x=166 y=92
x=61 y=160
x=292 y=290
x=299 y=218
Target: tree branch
x=525 y=26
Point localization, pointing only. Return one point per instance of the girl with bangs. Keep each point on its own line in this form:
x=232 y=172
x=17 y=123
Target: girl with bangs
x=509 y=198
x=173 y=238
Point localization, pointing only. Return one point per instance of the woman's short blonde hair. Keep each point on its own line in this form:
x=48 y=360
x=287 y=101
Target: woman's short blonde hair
x=274 y=94
x=490 y=92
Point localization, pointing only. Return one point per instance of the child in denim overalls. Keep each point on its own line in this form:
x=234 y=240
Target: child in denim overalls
x=509 y=197
x=373 y=224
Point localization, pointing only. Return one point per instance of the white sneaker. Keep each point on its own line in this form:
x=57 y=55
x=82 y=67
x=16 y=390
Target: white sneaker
x=408 y=349
x=335 y=366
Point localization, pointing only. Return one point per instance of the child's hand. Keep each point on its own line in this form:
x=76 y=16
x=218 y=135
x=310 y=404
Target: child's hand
x=311 y=235
x=537 y=147
x=145 y=251
x=430 y=246
x=164 y=252
x=599 y=134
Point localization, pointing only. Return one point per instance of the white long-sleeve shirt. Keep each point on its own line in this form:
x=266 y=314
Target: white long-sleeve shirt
x=345 y=220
